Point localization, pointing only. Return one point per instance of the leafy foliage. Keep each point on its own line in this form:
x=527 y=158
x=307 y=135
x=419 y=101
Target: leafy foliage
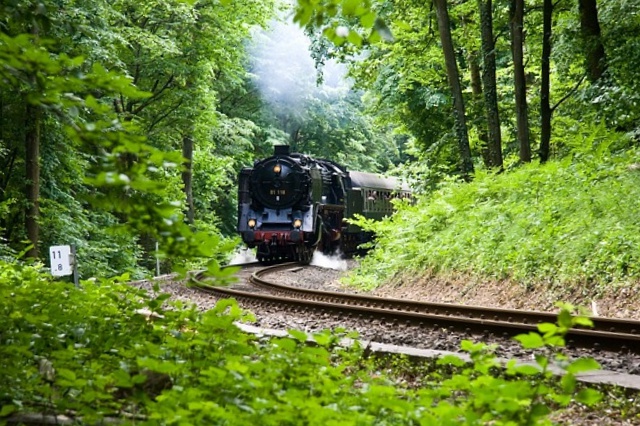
x=317 y=109
x=100 y=125
x=565 y=222
x=110 y=351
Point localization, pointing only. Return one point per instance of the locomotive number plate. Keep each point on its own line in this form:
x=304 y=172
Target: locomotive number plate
x=277 y=192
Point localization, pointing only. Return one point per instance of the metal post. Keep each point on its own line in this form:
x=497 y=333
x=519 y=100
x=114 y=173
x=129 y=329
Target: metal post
x=74 y=262
x=157 y=260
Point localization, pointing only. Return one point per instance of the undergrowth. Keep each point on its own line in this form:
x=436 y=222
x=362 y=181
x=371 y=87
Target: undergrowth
x=574 y=220
x=107 y=352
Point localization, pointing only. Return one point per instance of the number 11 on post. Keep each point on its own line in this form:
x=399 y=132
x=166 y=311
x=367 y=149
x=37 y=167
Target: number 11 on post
x=60 y=257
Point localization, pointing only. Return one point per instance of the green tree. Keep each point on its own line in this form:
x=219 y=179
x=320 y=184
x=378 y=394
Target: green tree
x=45 y=21
x=318 y=109
x=183 y=54
x=444 y=27
x=396 y=73
x=516 y=14
x=489 y=81
x=188 y=55
x=595 y=58
x=545 y=78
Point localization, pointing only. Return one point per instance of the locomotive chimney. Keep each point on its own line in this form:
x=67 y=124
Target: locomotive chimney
x=281 y=150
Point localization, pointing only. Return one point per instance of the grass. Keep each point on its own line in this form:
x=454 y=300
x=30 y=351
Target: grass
x=574 y=220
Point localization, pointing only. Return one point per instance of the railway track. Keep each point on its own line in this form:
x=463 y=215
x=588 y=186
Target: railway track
x=612 y=334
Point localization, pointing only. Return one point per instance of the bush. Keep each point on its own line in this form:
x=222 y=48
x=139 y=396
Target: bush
x=567 y=221
x=108 y=350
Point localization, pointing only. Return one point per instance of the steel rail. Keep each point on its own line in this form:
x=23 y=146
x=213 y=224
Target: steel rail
x=469 y=319
x=600 y=324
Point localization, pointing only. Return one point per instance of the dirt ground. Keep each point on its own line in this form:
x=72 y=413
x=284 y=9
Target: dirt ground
x=620 y=302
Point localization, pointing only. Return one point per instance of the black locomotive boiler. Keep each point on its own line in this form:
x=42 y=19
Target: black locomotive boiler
x=291 y=204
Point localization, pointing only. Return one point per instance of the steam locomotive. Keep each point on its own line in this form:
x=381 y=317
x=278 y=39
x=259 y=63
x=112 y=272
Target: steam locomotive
x=291 y=204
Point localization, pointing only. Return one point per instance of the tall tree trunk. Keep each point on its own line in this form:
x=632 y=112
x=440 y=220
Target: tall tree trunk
x=187 y=176
x=32 y=176
x=519 y=81
x=594 y=49
x=545 y=106
x=456 y=91
x=476 y=91
x=489 y=82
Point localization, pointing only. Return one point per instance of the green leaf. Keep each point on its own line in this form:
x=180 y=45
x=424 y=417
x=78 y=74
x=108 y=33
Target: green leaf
x=547 y=327
x=303 y=15
x=236 y=365
x=354 y=38
x=138 y=379
x=540 y=410
x=568 y=383
x=298 y=335
x=451 y=360
x=403 y=25
x=349 y=7
x=561 y=399
x=66 y=374
x=542 y=360
x=367 y=20
x=583 y=321
x=564 y=319
x=530 y=341
x=471 y=347
x=7 y=409
x=122 y=379
x=582 y=365
x=528 y=370
x=323 y=339
x=589 y=396
x=288 y=345
x=374 y=37
x=557 y=341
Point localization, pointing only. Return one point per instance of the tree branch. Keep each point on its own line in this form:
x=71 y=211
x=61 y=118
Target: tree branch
x=153 y=97
x=163 y=116
x=569 y=93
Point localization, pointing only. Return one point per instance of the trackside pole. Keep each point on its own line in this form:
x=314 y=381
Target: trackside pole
x=74 y=262
x=157 y=260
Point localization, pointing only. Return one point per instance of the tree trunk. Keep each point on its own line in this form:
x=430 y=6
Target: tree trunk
x=595 y=57
x=454 y=84
x=476 y=90
x=545 y=107
x=520 y=83
x=32 y=176
x=295 y=139
x=187 y=176
x=489 y=82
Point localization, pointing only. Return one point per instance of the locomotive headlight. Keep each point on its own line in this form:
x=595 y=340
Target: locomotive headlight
x=297 y=223
x=251 y=223
x=277 y=169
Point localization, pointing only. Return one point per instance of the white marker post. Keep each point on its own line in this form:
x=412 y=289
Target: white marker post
x=63 y=262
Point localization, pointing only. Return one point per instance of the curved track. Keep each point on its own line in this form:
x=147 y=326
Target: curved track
x=608 y=333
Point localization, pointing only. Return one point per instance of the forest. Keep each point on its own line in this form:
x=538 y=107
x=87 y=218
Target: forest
x=124 y=124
